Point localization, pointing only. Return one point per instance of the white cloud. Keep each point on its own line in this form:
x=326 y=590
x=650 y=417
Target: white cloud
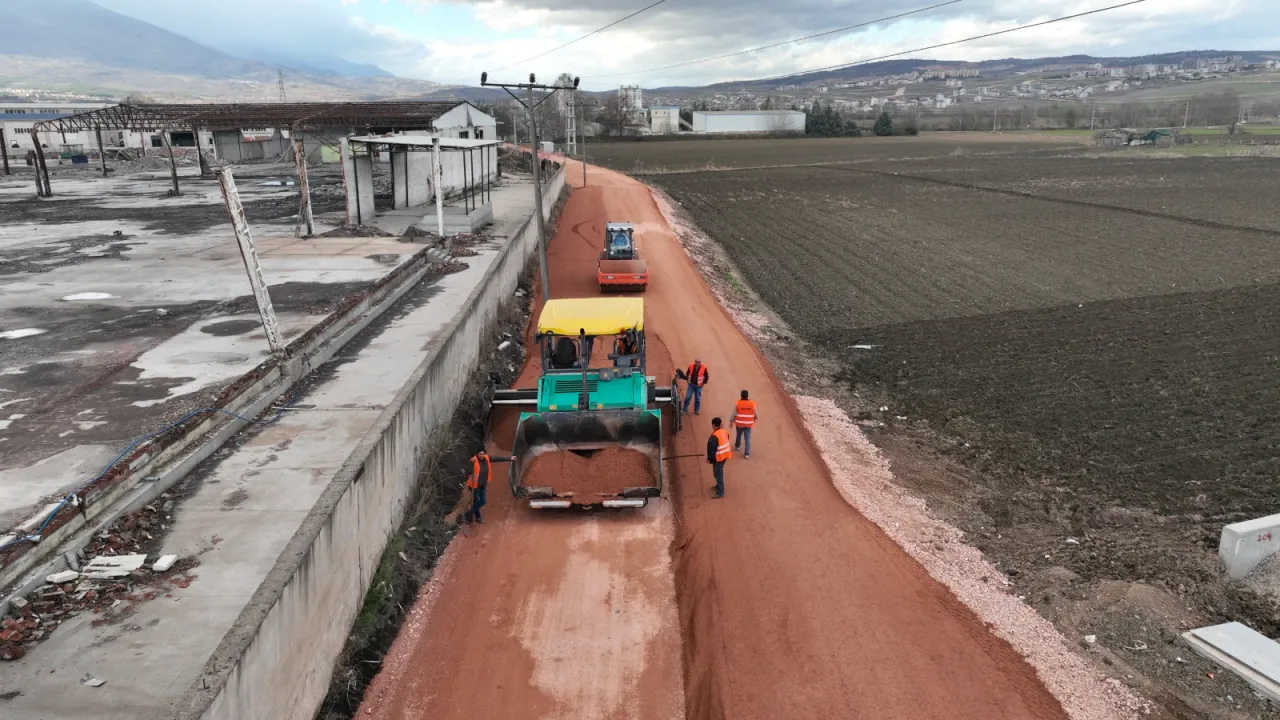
x=504 y=32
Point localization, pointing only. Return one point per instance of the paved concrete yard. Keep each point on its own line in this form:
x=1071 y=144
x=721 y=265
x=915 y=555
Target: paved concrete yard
x=120 y=334
x=242 y=506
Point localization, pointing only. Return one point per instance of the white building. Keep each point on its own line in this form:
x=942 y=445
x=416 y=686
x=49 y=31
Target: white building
x=748 y=121
x=664 y=119
x=466 y=122
x=17 y=120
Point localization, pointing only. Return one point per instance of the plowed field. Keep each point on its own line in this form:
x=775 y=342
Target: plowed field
x=1072 y=358
x=665 y=156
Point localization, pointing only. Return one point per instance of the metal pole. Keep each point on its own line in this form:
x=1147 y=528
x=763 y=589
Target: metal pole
x=583 y=130
x=1186 y=114
x=248 y=253
x=173 y=164
x=102 y=152
x=436 y=172
x=537 y=196
x=306 y=221
x=4 y=151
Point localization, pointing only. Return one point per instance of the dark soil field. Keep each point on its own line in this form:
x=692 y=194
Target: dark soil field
x=1078 y=373
x=650 y=157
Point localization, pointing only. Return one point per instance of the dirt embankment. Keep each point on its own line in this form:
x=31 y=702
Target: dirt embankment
x=604 y=473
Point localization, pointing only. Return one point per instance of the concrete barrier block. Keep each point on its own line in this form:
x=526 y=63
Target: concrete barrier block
x=1245 y=544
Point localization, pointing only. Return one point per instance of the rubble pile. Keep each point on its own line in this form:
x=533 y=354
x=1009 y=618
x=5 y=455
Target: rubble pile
x=462 y=243
x=117 y=577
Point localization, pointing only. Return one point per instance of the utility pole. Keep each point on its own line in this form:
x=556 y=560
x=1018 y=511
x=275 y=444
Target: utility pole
x=1093 y=115
x=1186 y=114
x=995 y=116
x=571 y=127
x=531 y=105
x=4 y=150
x=280 y=83
x=583 y=130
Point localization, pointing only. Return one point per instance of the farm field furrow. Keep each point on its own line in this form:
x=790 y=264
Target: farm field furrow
x=1078 y=369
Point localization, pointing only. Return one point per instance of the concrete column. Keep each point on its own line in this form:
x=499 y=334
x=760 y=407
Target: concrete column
x=400 y=179
x=248 y=253
x=436 y=184
x=306 y=221
x=357 y=176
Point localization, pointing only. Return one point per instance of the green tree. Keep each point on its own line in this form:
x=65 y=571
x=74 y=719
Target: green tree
x=884 y=124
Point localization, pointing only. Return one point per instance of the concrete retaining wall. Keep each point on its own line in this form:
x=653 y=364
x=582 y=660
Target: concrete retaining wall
x=277 y=660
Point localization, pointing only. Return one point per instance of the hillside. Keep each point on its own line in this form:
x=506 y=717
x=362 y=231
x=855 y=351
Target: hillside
x=78 y=47
x=80 y=30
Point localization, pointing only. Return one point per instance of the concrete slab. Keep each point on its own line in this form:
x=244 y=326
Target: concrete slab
x=1243 y=651
x=240 y=511
x=175 y=326
x=1245 y=544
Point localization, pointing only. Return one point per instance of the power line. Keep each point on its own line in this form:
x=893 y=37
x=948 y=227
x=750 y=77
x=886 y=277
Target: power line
x=584 y=37
x=784 y=42
x=953 y=42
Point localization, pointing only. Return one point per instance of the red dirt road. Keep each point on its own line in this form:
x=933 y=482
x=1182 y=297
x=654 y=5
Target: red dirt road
x=790 y=603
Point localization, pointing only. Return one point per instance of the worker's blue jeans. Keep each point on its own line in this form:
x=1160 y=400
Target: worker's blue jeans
x=717 y=469
x=741 y=435
x=695 y=394
x=477 y=501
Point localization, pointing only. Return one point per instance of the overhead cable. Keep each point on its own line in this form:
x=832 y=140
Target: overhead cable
x=953 y=42
x=784 y=42
x=584 y=37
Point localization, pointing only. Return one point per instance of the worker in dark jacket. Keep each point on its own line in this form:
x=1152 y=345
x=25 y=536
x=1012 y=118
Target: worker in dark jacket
x=478 y=481
x=718 y=452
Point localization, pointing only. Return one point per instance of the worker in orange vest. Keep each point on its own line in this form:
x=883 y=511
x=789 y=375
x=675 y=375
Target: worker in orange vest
x=744 y=418
x=696 y=376
x=478 y=481
x=718 y=453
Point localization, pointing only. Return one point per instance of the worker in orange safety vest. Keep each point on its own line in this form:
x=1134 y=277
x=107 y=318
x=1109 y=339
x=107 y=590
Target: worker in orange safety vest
x=478 y=481
x=696 y=377
x=744 y=418
x=718 y=453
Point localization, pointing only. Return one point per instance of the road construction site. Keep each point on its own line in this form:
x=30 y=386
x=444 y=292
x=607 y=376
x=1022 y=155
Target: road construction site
x=780 y=600
x=796 y=595
x=256 y=496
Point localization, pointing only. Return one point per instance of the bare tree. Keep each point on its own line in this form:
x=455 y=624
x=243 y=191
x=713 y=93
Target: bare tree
x=616 y=116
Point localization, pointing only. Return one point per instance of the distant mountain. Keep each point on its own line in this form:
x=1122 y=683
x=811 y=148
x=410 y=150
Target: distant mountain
x=81 y=30
x=467 y=93
x=314 y=64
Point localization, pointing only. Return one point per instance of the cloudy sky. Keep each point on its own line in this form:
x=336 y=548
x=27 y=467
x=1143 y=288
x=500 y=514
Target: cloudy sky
x=453 y=42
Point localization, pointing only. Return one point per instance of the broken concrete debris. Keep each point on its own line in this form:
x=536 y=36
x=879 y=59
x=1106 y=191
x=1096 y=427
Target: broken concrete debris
x=62 y=577
x=104 y=568
x=111 y=585
x=92 y=681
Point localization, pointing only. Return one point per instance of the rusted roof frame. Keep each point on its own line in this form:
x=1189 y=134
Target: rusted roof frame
x=296 y=116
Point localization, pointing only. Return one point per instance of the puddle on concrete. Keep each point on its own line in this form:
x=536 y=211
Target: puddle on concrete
x=231 y=327
x=88 y=296
x=21 y=333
